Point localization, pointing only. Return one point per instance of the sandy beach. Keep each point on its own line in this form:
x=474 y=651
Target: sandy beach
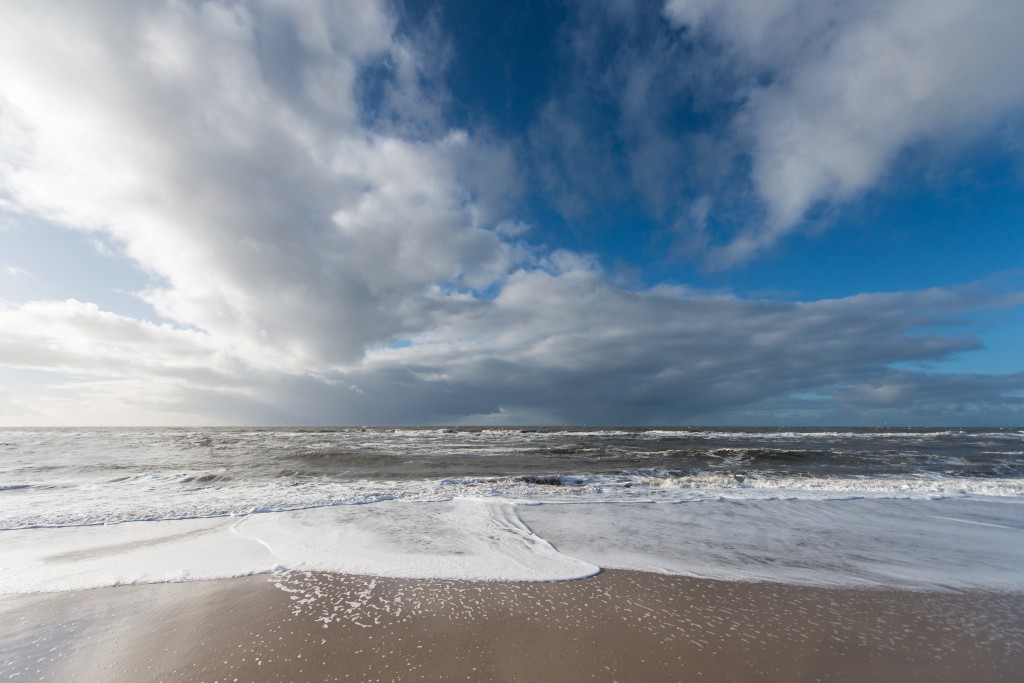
x=617 y=626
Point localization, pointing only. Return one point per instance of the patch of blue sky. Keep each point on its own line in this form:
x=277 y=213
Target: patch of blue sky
x=919 y=228
x=41 y=261
x=808 y=396
x=1001 y=335
x=886 y=242
x=505 y=58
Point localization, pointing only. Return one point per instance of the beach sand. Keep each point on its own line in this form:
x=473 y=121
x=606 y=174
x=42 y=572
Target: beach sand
x=616 y=626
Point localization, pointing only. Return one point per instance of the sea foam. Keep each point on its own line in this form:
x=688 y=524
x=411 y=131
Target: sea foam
x=458 y=539
x=942 y=544
x=912 y=508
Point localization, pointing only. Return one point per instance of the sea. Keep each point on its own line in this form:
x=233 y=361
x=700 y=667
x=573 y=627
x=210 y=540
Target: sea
x=918 y=509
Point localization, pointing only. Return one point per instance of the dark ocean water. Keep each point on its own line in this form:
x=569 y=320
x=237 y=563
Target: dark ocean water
x=82 y=476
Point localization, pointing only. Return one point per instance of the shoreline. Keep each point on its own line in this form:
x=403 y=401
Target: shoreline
x=617 y=625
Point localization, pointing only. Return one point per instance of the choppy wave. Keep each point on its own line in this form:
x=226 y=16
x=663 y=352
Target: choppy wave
x=86 y=507
x=191 y=495
x=55 y=477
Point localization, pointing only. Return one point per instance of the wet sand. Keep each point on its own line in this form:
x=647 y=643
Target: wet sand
x=617 y=626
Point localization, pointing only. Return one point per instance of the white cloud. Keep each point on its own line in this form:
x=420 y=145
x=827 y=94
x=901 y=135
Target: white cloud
x=835 y=91
x=292 y=237
x=221 y=145
x=558 y=344
x=76 y=337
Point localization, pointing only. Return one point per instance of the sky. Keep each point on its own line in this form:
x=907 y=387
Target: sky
x=685 y=212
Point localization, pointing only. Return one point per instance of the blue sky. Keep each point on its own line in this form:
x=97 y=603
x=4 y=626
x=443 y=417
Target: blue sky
x=676 y=212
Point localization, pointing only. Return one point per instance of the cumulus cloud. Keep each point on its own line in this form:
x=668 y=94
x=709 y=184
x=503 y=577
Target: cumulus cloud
x=76 y=337
x=222 y=146
x=322 y=248
x=836 y=91
x=739 y=123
